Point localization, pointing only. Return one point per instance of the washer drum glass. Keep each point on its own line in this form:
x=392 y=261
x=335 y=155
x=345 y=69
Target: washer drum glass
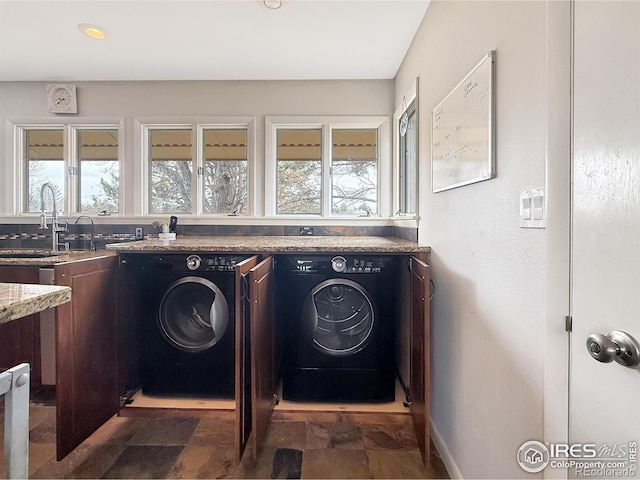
x=193 y=314
x=337 y=316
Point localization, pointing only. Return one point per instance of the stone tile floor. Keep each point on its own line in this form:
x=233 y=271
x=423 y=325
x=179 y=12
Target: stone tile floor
x=298 y=445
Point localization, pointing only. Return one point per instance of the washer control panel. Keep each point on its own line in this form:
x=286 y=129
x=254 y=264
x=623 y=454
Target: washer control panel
x=198 y=262
x=349 y=264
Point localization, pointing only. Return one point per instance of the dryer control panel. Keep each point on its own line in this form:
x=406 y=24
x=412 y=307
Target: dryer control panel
x=222 y=263
x=350 y=264
x=219 y=263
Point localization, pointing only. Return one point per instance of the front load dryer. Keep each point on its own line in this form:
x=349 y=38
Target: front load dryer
x=339 y=328
x=188 y=343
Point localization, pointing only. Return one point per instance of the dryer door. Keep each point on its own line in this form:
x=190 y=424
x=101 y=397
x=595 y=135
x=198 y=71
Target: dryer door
x=338 y=317
x=193 y=314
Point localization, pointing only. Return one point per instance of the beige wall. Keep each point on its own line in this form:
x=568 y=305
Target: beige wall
x=488 y=309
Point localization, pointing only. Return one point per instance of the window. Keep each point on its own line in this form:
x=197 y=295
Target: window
x=44 y=163
x=354 y=171
x=225 y=170
x=85 y=180
x=406 y=155
x=98 y=170
x=198 y=168
x=408 y=162
x=170 y=171
x=299 y=183
x=326 y=166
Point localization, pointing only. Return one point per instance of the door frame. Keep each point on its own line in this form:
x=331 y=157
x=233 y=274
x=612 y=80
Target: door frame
x=559 y=138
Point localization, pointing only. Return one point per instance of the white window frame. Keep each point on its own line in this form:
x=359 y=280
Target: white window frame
x=327 y=124
x=409 y=102
x=16 y=199
x=197 y=126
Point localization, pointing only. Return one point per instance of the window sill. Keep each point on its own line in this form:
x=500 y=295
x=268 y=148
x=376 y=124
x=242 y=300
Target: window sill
x=294 y=220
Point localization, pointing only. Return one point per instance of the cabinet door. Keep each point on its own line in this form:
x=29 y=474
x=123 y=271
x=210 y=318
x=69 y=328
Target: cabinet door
x=262 y=333
x=243 y=364
x=132 y=305
x=20 y=340
x=86 y=354
x=419 y=357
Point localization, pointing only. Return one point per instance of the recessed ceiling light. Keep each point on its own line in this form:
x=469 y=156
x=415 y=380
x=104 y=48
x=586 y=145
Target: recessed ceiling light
x=92 y=31
x=272 y=4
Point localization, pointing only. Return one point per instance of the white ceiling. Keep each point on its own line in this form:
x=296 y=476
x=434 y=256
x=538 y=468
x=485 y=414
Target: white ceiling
x=206 y=39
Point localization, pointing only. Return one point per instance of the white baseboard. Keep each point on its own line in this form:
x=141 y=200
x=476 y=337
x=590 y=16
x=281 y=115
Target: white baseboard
x=445 y=454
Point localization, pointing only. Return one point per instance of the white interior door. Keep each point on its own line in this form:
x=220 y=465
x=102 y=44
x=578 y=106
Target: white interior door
x=604 y=405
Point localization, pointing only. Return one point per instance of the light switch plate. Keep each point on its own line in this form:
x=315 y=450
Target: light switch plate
x=532 y=209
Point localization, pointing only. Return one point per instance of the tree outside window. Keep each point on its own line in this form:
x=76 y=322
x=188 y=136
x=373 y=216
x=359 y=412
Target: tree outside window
x=222 y=170
x=354 y=171
x=99 y=170
x=44 y=164
x=322 y=169
x=225 y=170
x=90 y=174
x=299 y=171
x=170 y=166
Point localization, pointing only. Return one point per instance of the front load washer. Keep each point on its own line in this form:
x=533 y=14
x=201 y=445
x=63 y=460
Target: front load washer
x=188 y=343
x=338 y=330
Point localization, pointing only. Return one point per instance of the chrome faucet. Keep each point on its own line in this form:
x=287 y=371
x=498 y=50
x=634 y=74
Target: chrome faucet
x=55 y=222
x=92 y=243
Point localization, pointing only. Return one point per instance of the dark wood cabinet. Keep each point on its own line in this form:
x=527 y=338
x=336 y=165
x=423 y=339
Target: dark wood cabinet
x=262 y=354
x=98 y=346
x=243 y=357
x=132 y=292
x=86 y=351
x=419 y=383
x=20 y=340
x=86 y=345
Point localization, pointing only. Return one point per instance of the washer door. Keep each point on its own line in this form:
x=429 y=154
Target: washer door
x=337 y=316
x=193 y=314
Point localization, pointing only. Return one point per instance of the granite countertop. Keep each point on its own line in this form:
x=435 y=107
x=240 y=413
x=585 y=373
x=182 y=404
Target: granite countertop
x=18 y=300
x=48 y=261
x=273 y=244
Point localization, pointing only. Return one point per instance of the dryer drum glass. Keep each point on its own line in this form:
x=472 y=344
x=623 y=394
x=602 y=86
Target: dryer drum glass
x=339 y=317
x=193 y=314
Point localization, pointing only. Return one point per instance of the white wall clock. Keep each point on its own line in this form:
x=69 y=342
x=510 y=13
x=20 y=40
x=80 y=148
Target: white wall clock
x=61 y=98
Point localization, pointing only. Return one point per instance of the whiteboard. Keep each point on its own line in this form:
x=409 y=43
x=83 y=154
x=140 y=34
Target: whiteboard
x=462 y=141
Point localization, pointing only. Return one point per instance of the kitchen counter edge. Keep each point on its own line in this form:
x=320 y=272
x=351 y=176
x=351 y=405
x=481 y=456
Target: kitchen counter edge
x=273 y=244
x=45 y=262
x=20 y=300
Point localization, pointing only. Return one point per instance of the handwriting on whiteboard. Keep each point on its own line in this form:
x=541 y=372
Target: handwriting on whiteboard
x=461 y=148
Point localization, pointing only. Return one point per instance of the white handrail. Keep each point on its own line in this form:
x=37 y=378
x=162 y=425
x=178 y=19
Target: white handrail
x=14 y=385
